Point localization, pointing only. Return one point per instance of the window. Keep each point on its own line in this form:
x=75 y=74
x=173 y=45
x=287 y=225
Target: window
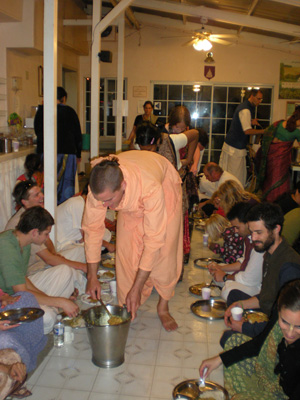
x=211 y=108
x=107 y=93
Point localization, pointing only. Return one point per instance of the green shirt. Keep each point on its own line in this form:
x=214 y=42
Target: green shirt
x=291 y=226
x=13 y=262
x=286 y=136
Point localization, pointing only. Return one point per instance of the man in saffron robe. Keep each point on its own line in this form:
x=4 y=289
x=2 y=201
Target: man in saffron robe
x=145 y=189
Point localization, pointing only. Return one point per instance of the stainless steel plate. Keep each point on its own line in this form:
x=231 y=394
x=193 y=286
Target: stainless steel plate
x=209 y=309
x=21 y=315
x=197 y=289
x=203 y=262
x=186 y=390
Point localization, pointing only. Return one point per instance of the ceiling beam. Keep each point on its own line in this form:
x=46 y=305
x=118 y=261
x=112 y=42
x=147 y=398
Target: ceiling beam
x=127 y=20
x=220 y=16
x=184 y=16
x=250 y=12
x=129 y=16
x=111 y=16
x=293 y=3
x=169 y=26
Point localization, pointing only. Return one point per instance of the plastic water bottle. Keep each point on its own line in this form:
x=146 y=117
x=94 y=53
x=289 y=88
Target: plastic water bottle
x=59 y=332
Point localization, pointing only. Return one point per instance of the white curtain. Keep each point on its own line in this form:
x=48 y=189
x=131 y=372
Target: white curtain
x=9 y=172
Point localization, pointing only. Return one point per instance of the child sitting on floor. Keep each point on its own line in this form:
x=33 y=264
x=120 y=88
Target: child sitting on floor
x=219 y=227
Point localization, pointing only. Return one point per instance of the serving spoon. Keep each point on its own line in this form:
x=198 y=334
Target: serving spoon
x=113 y=319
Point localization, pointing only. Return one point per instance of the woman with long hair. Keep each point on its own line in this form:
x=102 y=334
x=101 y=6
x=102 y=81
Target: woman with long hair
x=268 y=366
x=231 y=193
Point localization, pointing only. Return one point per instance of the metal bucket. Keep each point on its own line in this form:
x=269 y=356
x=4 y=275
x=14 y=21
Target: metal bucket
x=107 y=341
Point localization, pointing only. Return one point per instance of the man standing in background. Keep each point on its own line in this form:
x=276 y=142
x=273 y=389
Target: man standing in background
x=234 y=150
x=69 y=144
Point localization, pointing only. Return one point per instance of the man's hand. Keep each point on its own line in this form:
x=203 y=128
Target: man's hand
x=4 y=325
x=228 y=314
x=218 y=275
x=133 y=301
x=235 y=325
x=7 y=299
x=255 y=122
x=69 y=307
x=93 y=288
x=213 y=266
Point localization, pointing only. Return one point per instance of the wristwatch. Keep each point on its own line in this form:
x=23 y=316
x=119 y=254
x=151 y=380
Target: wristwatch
x=225 y=277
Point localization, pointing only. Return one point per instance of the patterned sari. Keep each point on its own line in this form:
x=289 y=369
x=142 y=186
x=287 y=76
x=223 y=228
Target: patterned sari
x=273 y=177
x=254 y=378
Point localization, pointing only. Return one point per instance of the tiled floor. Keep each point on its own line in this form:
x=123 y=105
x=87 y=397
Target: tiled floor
x=155 y=360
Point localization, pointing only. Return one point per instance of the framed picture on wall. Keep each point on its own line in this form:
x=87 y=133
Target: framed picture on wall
x=290 y=107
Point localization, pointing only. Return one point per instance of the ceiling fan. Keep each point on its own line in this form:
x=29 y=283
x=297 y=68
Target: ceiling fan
x=202 y=38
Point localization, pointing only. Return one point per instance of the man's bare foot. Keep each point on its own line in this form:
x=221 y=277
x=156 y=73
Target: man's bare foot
x=168 y=322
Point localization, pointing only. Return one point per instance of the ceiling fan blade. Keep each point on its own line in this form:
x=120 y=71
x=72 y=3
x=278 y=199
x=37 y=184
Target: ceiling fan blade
x=170 y=37
x=221 y=35
x=190 y=42
x=294 y=41
x=220 y=41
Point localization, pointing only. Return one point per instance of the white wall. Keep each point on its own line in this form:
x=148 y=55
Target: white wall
x=150 y=58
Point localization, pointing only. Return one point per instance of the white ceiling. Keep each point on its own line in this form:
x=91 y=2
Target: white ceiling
x=260 y=21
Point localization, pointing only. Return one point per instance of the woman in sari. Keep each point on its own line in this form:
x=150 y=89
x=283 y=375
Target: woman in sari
x=273 y=177
x=268 y=366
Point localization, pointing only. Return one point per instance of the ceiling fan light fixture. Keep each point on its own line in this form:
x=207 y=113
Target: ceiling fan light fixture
x=202 y=45
x=198 y=45
x=206 y=45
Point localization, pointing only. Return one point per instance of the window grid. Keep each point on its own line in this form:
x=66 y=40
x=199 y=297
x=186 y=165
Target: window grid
x=211 y=108
x=107 y=93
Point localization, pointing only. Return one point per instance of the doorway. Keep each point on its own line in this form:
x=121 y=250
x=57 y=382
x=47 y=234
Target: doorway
x=69 y=81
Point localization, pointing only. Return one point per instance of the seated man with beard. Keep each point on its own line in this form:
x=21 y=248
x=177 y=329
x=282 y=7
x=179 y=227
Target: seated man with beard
x=281 y=264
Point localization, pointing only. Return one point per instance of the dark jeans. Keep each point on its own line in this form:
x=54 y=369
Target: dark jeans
x=234 y=295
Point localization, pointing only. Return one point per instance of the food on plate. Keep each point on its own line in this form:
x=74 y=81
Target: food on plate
x=91 y=300
x=108 y=264
x=253 y=317
x=108 y=275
